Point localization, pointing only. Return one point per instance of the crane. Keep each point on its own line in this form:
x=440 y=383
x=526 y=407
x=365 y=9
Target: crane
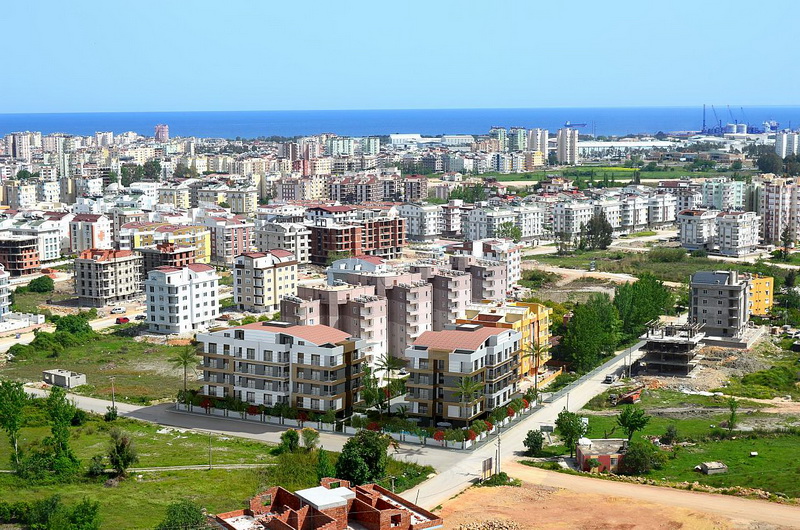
x=716 y=118
x=734 y=120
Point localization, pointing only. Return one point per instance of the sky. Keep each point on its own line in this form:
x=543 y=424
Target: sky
x=190 y=55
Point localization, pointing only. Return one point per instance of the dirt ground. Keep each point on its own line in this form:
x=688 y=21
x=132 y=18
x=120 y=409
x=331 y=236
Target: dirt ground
x=536 y=506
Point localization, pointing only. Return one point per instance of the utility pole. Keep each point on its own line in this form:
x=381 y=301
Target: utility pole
x=113 y=393
x=567 y=401
x=498 y=452
x=209 y=450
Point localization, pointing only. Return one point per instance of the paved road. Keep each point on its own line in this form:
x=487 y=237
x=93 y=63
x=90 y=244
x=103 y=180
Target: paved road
x=740 y=510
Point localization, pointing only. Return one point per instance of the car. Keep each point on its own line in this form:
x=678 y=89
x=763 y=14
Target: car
x=118 y=311
x=122 y=320
x=610 y=378
x=140 y=317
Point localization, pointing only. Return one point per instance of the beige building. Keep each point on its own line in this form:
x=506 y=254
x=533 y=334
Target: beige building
x=293 y=237
x=177 y=197
x=261 y=279
x=104 y=277
x=243 y=201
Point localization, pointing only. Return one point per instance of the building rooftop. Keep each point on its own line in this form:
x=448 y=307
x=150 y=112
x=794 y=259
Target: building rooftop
x=465 y=337
x=317 y=334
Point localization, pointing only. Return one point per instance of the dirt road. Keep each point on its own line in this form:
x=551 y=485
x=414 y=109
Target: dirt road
x=740 y=511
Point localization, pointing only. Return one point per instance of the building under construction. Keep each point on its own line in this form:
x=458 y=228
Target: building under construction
x=671 y=349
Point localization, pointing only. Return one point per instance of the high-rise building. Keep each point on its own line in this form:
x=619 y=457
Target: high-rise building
x=517 y=139
x=162 y=133
x=537 y=140
x=104 y=277
x=501 y=135
x=181 y=300
x=567 y=146
x=719 y=300
x=787 y=144
x=262 y=278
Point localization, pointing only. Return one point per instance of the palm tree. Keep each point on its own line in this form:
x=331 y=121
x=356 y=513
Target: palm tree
x=389 y=365
x=185 y=359
x=467 y=391
x=536 y=351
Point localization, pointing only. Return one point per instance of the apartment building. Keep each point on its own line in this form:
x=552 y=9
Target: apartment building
x=179 y=197
x=569 y=217
x=355 y=309
x=762 y=290
x=165 y=255
x=697 y=229
x=661 y=210
x=723 y=194
x=89 y=231
x=489 y=277
x=105 y=277
x=438 y=360
x=19 y=195
x=261 y=279
x=720 y=302
x=634 y=213
x=181 y=300
x=567 y=146
x=737 y=233
x=243 y=201
x=230 y=236
x=140 y=235
x=292 y=237
x=531 y=320
x=424 y=222
x=787 y=143
x=381 y=236
x=19 y=255
x=5 y=293
x=47 y=234
x=503 y=250
x=778 y=208
x=313 y=368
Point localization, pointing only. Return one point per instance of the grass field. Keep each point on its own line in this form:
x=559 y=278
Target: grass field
x=29 y=302
x=662 y=398
x=141 y=370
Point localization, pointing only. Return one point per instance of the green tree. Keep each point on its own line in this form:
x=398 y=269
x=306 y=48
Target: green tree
x=182 y=171
x=121 y=452
x=310 y=438
x=641 y=457
x=183 y=515
x=670 y=435
x=632 y=419
x=787 y=240
x=290 y=440
x=324 y=467
x=592 y=332
x=42 y=284
x=737 y=165
x=534 y=442
x=791 y=278
x=23 y=174
x=363 y=458
x=372 y=394
x=74 y=324
x=337 y=255
x=509 y=230
x=570 y=428
x=640 y=302
x=61 y=411
x=12 y=403
x=597 y=233
x=185 y=358
x=733 y=406
x=467 y=391
x=770 y=163
x=152 y=170
x=113 y=177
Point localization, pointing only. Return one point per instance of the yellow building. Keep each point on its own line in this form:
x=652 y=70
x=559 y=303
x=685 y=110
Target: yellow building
x=532 y=320
x=137 y=235
x=761 y=291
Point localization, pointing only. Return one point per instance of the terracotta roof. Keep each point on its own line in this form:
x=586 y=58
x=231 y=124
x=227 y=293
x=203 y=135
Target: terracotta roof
x=87 y=217
x=199 y=267
x=317 y=334
x=167 y=268
x=280 y=253
x=371 y=259
x=451 y=339
x=333 y=208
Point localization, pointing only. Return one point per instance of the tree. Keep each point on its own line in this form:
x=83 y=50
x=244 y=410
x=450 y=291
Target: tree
x=336 y=256
x=185 y=358
x=770 y=163
x=670 y=435
x=733 y=406
x=42 y=284
x=737 y=165
x=61 y=411
x=113 y=178
x=570 y=428
x=787 y=240
x=640 y=302
x=152 y=170
x=641 y=457
x=467 y=392
x=592 y=332
x=534 y=442
x=791 y=278
x=290 y=440
x=310 y=438
x=509 y=230
x=12 y=403
x=372 y=394
x=121 y=452
x=324 y=467
x=363 y=458
x=632 y=419
x=183 y=515
x=23 y=174
x=389 y=364
x=597 y=233
x=74 y=324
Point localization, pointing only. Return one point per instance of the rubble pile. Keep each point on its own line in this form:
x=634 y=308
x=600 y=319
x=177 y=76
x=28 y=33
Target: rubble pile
x=491 y=524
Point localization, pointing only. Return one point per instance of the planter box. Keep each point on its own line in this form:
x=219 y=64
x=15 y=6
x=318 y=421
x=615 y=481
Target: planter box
x=180 y=406
x=468 y=444
x=253 y=417
x=454 y=445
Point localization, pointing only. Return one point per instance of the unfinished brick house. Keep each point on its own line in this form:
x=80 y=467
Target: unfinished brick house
x=334 y=505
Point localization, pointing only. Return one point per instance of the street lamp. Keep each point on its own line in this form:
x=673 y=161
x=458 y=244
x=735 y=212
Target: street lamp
x=113 y=393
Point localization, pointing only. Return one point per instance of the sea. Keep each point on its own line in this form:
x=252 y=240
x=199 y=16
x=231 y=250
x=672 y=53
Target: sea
x=427 y=122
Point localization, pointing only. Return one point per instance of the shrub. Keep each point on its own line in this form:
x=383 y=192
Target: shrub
x=96 y=466
x=670 y=436
x=42 y=284
x=111 y=414
x=310 y=438
x=79 y=418
x=642 y=457
x=438 y=436
x=593 y=463
x=290 y=440
x=666 y=255
x=121 y=452
x=363 y=458
x=534 y=442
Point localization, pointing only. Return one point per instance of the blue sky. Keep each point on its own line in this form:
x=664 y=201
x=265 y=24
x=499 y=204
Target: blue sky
x=171 y=55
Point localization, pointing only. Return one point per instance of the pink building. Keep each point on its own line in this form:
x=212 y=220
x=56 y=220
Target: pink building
x=230 y=236
x=162 y=133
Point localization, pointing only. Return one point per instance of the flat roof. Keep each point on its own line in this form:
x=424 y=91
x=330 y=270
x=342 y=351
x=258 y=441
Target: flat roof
x=323 y=498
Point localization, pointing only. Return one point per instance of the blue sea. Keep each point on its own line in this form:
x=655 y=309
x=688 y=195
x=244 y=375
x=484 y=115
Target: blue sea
x=252 y=124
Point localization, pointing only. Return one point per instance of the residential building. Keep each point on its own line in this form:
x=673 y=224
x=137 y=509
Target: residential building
x=723 y=194
x=538 y=141
x=787 y=143
x=719 y=300
x=335 y=504
x=661 y=210
x=181 y=300
x=179 y=197
x=104 y=276
x=609 y=452
x=313 y=368
x=261 y=279
x=778 y=208
x=502 y=250
x=634 y=213
x=293 y=237
x=569 y=217
x=671 y=349
x=230 y=236
x=381 y=236
x=737 y=233
x=165 y=255
x=19 y=255
x=697 y=229
x=5 y=293
x=438 y=360
x=89 y=231
x=141 y=235
x=489 y=277
x=162 y=133
x=19 y=195
x=243 y=201
x=567 y=146
x=424 y=222
x=762 y=289
x=47 y=234
x=450 y=295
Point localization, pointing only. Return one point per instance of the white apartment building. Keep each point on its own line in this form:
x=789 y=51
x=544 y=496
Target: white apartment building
x=89 y=231
x=778 y=208
x=697 y=229
x=501 y=250
x=737 y=233
x=261 y=279
x=48 y=191
x=661 y=210
x=314 y=368
x=439 y=359
x=181 y=300
x=634 y=213
x=612 y=210
x=292 y=237
x=424 y=222
x=538 y=140
x=5 y=298
x=530 y=220
x=723 y=194
x=787 y=144
x=569 y=217
x=47 y=234
x=567 y=146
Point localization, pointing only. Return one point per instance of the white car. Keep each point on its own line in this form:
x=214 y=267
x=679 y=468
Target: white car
x=118 y=311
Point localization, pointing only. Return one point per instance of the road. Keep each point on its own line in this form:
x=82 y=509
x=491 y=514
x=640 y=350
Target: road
x=739 y=510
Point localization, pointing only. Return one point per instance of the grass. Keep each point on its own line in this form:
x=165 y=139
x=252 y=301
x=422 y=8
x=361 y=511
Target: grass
x=30 y=302
x=645 y=233
x=141 y=370
x=662 y=398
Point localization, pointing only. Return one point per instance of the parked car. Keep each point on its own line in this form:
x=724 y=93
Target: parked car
x=123 y=320
x=610 y=378
x=140 y=317
x=118 y=311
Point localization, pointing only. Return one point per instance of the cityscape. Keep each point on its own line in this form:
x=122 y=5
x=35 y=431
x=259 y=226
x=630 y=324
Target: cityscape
x=441 y=303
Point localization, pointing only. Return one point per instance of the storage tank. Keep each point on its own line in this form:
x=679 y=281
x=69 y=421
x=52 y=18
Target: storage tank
x=730 y=128
x=741 y=128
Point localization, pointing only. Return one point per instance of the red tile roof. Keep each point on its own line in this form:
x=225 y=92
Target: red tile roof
x=371 y=259
x=199 y=267
x=280 y=253
x=451 y=339
x=317 y=334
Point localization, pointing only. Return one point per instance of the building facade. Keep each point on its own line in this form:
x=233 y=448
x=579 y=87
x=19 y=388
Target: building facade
x=104 y=277
x=181 y=300
x=261 y=279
